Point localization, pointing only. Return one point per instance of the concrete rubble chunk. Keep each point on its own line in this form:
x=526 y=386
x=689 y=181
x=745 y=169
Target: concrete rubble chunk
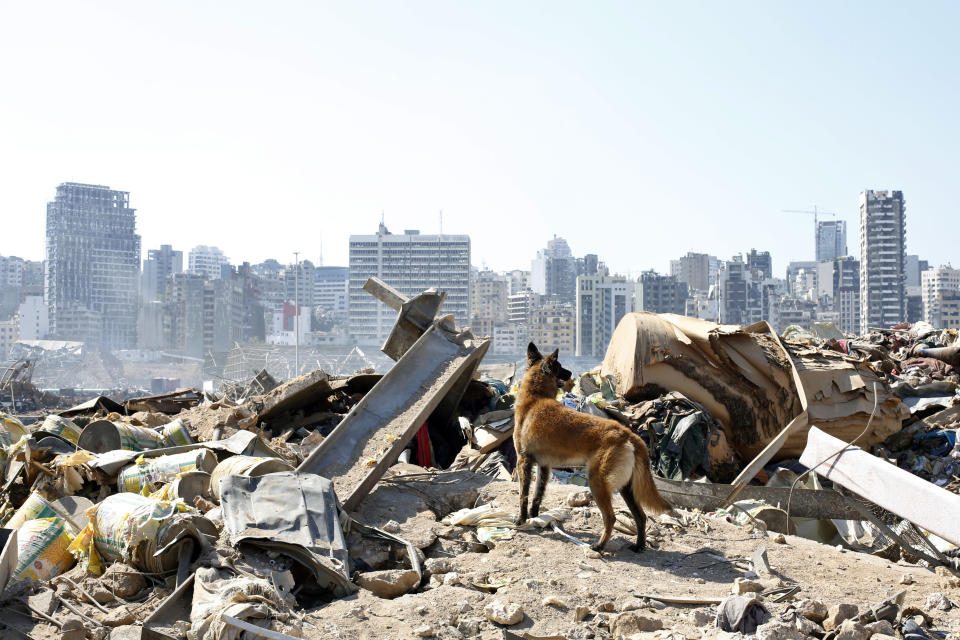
x=629 y=623
x=852 y=630
x=838 y=613
x=436 y=566
x=947 y=580
x=813 y=610
x=778 y=630
x=580 y=613
x=937 y=601
x=503 y=612
x=126 y=632
x=881 y=627
x=742 y=586
x=389 y=583
x=579 y=498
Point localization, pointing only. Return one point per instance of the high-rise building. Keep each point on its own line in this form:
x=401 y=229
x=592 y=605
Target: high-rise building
x=9 y=333
x=159 y=264
x=602 y=301
x=518 y=281
x=553 y=272
x=935 y=283
x=552 y=326
x=734 y=281
x=760 y=264
x=698 y=270
x=93 y=264
x=883 y=239
x=488 y=305
x=410 y=262
x=331 y=289
x=33 y=318
x=915 y=267
x=207 y=261
x=838 y=290
x=661 y=294
x=202 y=318
x=300 y=287
x=831 y=241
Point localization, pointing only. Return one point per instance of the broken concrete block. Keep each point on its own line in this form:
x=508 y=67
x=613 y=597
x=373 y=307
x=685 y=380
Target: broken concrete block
x=938 y=601
x=44 y=601
x=629 y=604
x=554 y=601
x=580 y=613
x=118 y=617
x=742 y=586
x=579 y=498
x=838 y=613
x=881 y=627
x=779 y=630
x=947 y=580
x=435 y=566
x=629 y=623
x=72 y=629
x=813 y=610
x=390 y=583
x=505 y=613
x=808 y=627
x=425 y=631
x=701 y=618
x=852 y=630
x=126 y=632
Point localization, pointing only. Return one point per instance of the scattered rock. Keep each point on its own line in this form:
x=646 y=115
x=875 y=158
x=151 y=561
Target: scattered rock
x=937 y=600
x=126 y=632
x=808 y=627
x=43 y=601
x=779 y=539
x=742 y=586
x=435 y=566
x=580 y=613
x=118 y=617
x=628 y=623
x=123 y=581
x=72 y=629
x=630 y=604
x=390 y=583
x=778 y=630
x=882 y=636
x=425 y=631
x=392 y=526
x=655 y=604
x=906 y=578
x=838 y=613
x=813 y=610
x=451 y=578
x=579 y=499
x=881 y=627
x=554 y=601
x=505 y=613
x=947 y=580
x=852 y=630
x=591 y=553
x=702 y=618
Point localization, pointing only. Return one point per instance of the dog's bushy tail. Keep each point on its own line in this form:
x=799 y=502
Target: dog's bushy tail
x=641 y=483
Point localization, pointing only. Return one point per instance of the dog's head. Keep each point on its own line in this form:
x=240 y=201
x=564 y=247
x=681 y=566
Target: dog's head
x=549 y=365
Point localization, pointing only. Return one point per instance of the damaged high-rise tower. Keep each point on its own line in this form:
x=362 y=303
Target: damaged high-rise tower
x=883 y=239
x=93 y=266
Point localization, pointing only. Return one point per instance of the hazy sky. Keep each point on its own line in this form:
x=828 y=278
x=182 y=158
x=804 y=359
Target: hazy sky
x=638 y=131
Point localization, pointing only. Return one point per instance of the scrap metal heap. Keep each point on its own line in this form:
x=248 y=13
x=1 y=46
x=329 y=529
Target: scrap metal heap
x=276 y=510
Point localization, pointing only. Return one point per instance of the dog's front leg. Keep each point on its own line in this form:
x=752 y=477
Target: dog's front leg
x=524 y=469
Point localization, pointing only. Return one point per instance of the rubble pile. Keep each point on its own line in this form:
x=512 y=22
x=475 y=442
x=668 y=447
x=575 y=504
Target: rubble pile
x=383 y=505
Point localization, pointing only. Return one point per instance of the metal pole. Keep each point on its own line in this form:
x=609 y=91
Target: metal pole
x=296 y=317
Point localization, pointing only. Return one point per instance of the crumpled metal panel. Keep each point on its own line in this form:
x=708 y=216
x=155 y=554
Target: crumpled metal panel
x=295 y=513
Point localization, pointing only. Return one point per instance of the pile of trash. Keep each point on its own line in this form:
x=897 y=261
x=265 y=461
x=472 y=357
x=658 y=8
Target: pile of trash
x=210 y=516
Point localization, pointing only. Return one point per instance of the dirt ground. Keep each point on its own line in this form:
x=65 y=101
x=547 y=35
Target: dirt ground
x=701 y=560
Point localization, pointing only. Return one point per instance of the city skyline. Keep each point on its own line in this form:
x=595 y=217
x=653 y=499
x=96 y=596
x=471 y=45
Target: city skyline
x=265 y=134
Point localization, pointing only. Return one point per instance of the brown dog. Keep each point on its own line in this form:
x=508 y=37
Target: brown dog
x=549 y=434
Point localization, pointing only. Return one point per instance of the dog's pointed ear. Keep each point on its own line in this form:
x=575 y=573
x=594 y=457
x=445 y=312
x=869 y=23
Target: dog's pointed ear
x=533 y=355
x=555 y=355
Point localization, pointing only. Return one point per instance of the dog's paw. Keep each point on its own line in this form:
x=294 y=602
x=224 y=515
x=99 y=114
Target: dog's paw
x=597 y=547
x=638 y=548
x=519 y=521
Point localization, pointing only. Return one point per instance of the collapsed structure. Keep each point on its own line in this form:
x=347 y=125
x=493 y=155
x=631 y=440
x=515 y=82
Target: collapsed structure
x=302 y=508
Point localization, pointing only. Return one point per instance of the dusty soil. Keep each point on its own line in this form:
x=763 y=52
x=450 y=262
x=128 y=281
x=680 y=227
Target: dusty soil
x=537 y=564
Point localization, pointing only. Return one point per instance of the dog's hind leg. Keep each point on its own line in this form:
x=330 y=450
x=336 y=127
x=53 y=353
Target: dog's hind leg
x=601 y=493
x=543 y=475
x=639 y=517
x=524 y=469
